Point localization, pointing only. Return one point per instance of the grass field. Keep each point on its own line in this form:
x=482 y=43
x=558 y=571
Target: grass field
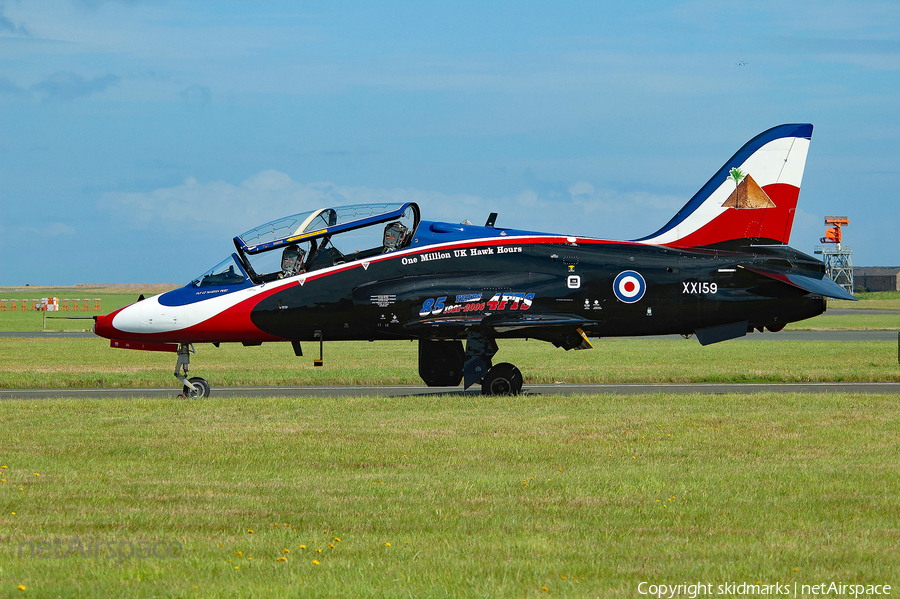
x=78 y=363
x=111 y=298
x=437 y=497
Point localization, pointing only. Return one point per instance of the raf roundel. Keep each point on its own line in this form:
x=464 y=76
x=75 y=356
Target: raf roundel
x=629 y=286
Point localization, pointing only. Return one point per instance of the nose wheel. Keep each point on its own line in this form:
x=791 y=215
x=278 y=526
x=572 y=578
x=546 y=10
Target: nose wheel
x=194 y=387
x=198 y=390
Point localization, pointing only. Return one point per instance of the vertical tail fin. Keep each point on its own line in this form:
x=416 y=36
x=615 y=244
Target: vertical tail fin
x=752 y=197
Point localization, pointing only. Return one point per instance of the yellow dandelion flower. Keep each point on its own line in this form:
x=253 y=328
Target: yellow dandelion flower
x=330 y=545
x=239 y=554
x=302 y=546
x=4 y=467
x=37 y=473
x=387 y=544
x=560 y=469
x=337 y=539
x=281 y=559
x=795 y=569
x=21 y=587
x=318 y=550
x=286 y=550
x=315 y=562
x=2 y=480
x=545 y=589
x=13 y=513
x=249 y=559
x=249 y=531
x=237 y=567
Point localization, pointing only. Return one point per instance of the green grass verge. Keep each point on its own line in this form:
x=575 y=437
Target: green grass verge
x=30 y=320
x=848 y=322
x=450 y=496
x=62 y=363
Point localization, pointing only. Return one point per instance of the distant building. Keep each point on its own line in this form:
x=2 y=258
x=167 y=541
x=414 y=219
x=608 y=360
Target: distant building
x=877 y=278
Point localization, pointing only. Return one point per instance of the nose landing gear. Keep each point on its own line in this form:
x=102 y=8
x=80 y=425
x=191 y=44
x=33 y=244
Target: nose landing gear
x=194 y=387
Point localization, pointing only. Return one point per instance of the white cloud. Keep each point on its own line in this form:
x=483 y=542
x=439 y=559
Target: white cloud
x=223 y=208
x=267 y=195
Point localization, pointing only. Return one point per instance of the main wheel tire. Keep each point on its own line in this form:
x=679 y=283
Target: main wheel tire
x=502 y=379
x=200 y=388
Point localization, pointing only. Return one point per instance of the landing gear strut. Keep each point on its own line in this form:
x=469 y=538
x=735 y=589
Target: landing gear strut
x=499 y=379
x=194 y=387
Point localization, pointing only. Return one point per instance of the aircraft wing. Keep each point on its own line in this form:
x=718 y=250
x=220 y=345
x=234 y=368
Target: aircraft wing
x=563 y=330
x=396 y=305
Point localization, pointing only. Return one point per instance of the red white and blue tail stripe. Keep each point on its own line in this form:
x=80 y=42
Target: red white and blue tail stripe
x=752 y=197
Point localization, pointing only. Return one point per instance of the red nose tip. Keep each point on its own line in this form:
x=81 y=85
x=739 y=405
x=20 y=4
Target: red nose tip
x=103 y=326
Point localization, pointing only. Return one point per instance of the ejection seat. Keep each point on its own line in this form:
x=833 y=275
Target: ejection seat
x=394 y=236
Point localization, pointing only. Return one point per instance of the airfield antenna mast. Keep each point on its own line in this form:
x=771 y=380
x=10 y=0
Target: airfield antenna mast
x=837 y=257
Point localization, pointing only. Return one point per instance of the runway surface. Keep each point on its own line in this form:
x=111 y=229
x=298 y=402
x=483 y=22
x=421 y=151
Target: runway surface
x=419 y=390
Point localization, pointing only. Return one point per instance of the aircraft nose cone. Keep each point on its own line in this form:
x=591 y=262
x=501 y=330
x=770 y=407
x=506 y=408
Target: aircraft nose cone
x=118 y=323
x=103 y=326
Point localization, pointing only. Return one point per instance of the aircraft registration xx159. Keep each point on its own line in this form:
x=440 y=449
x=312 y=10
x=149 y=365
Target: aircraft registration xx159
x=721 y=267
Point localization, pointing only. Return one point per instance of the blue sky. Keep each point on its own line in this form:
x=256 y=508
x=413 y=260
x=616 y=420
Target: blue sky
x=137 y=137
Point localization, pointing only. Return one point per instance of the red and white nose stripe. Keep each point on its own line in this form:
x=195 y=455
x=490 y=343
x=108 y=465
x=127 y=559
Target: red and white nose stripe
x=629 y=286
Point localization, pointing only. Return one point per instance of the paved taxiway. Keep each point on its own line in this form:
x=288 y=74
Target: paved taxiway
x=418 y=390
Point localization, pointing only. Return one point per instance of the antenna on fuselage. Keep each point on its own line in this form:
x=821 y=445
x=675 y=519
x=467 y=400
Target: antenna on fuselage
x=491 y=220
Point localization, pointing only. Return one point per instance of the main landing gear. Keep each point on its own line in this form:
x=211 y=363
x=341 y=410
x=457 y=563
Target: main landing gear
x=446 y=364
x=194 y=387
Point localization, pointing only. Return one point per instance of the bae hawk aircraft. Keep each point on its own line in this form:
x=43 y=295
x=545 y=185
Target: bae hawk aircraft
x=720 y=268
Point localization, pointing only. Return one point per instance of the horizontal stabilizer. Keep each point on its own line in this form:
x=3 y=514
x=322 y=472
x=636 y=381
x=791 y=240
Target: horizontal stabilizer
x=820 y=285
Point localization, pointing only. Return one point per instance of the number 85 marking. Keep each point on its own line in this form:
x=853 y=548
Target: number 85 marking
x=433 y=306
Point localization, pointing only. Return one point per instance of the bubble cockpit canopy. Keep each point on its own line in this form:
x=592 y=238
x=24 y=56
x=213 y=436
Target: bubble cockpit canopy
x=325 y=237
x=320 y=222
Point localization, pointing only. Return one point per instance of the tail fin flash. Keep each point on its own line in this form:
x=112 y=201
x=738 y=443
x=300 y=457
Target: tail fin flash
x=753 y=196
